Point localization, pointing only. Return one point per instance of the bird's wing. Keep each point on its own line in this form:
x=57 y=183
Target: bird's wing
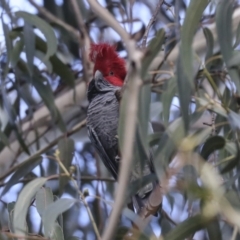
x=111 y=164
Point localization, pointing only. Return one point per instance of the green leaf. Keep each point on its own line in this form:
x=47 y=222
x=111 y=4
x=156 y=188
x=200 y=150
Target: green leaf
x=154 y=138
x=237 y=36
x=214 y=230
x=232 y=163
x=167 y=98
x=121 y=232
x=29 y=40
x=185 y=75
x=73 y=238
x=44 y=197
x=17 y=49
x=57 y=232
x=212 y=144
x=23 y=202
x=10 y=208
x=8 y=43
x=4 y=139
x=224 y=28
x=51 y=213
x=166 y=226
x=143 y=112
x=210 y=45
x=48 y=64
x=184 y=90
x=234 y=119
x=153 y=49
x=22 y=171
x=224 y=14
x=234 y=61
x=58 y=66
x=66 y=148
x=44 y=90
x=44 y=27
x=20 y=139
x=188 y=227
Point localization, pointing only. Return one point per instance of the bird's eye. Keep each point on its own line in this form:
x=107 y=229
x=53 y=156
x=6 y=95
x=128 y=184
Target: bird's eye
x=111 y=73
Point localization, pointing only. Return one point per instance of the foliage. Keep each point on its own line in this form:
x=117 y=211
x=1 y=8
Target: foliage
x=53 y=185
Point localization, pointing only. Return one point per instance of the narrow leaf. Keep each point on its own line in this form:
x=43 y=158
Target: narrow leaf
x=44 y=197
x=153 y=49
x=29 y=40
x=10 y=208
x=23 y=202
x=22 y=170
x=66 y=148
x=185 y=73
x=44 y=27
x=167 y=98
x=17 y=49
x=212 y=144
x=210 y=45
x=188 y=228
x=51 y=213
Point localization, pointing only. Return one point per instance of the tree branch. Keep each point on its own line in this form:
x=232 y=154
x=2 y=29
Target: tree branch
x=40 y=123
x=84 y=41
x=56 y=176
x=152 y=20
x=55 y=20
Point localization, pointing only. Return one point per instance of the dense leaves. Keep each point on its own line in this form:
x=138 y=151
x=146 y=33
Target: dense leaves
x=52 y=182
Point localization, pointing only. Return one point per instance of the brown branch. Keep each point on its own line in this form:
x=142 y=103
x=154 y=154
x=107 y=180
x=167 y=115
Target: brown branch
x=54 y=19
x=84 y=41
x=151 y=22
x=56 y=176
x=75 y=129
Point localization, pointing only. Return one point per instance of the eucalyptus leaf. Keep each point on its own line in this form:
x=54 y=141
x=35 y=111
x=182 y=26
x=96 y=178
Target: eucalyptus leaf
x=44 y=27
x=57 y=233
x=44 y=89
x=23 y=202
x=29 y=40
x=10 y=208
x=185 y=61
x=66 y=148
x=50 y=214
x=17 y=49
x=167 y=98
x=212 y=144
x=154 y=47
x=44 y=197
x=22 y=170
x=210 y=45
x=188 y=227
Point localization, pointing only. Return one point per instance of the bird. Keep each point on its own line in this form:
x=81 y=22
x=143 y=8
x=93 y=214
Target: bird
x=103 y=90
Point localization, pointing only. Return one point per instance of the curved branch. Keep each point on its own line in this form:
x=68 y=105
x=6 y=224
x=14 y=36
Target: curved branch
x=40 y=123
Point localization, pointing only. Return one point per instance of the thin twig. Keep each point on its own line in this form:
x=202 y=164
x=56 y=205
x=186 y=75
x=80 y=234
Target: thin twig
x=84 y=40
x=109 y=19
x=54 y=19
x=75 y=129
x=12 y=235
x=151 y=22
x=57 y=155
x=56 y=176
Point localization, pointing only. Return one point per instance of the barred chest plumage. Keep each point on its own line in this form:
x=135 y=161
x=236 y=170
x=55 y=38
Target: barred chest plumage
x=102 y=123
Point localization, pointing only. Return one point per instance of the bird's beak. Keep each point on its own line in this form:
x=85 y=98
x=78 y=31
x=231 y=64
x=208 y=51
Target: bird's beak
x=98 y=75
